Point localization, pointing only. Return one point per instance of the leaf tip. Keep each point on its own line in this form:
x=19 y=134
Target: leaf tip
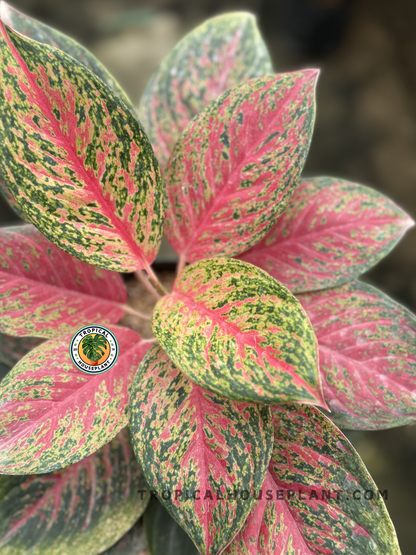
x=314 y=73
x=408 y=223
x=5 y=13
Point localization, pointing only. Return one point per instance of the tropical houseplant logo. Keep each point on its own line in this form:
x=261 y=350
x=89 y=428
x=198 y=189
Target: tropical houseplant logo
x=94 y=349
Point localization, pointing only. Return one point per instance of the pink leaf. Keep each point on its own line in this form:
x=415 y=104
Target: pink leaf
x=367 y=352
x=331 y=231
x=235 y=167
x=317 y=498
x=218 y=55
x=53 y=415
x=45 y=292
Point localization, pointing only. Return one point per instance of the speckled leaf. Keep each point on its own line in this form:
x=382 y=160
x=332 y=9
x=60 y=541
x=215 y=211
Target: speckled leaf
x=12 y=349
x=53 y=415
x=76 y=161
x=313 y=477
x=191 y=440
x=367 y=353
x=80 y=510
x=164 y=535
x=45 y=292
x=235 y=167
x=220 y=54
x=238 y=332
x=44 y=34
x=10 y=199
x=331 y=231
x=132 y=543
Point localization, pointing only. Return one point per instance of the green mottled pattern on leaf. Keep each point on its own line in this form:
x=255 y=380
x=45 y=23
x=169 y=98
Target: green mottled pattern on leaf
x=53 y=415
x=220 y=54
x=367 y=355
x=313 y=477
x=76 y=161
x=187 y=438
x=79 y=510
x=44 y=34
x=236 y=165
x=163 y=534
x=235 y=330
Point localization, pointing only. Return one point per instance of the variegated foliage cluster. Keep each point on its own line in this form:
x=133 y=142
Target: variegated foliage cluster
x=266 y=320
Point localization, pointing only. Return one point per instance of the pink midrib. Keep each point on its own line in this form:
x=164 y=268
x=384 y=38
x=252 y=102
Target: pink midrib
x=81 y=171
x=218 y=197
x=297 y=239
x=234 y=330
x=33 y=284
x=62 y=404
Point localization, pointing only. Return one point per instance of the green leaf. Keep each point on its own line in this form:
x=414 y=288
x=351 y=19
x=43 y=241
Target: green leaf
x=93 y=346
x=76 y=161
x=220 y=54
x=79 y=510
x=163 y=534
x=44 y=34
x=318 y=497
x=236 y=331
x=197 y=449
x=53 y=415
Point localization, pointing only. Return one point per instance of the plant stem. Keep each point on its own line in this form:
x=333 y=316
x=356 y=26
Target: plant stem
x=181 y=264
x=141 y=276
x=133 y=312
x=154 y=281
x=151 y=340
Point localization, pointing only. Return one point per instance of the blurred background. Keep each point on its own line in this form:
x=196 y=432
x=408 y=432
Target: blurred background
x=365 y=129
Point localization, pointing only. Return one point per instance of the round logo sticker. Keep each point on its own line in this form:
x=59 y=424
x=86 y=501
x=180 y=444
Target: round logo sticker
x=94 y=349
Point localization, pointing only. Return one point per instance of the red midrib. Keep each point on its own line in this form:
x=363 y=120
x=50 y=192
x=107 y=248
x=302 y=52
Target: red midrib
x=234 y=330
x=68 y=400
x=298 y=238
x=84 y=176
x=217 y=196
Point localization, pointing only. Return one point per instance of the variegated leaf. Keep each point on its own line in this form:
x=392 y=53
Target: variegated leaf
x=80 y=510
x=45 y=292
x=9 y=197
x=164 y=535
x=235 y=167
x=331 y=231
x=318 y=498
x=367 y=354
x=236 y=331
x=220 y=54
x=132 y=543
x=12 y=349
x=53 y=415
x=76 y=161
x=190 y=440
x=44 y=34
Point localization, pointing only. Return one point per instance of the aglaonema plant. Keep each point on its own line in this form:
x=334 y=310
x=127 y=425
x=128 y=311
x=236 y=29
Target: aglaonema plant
x=266 y=320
